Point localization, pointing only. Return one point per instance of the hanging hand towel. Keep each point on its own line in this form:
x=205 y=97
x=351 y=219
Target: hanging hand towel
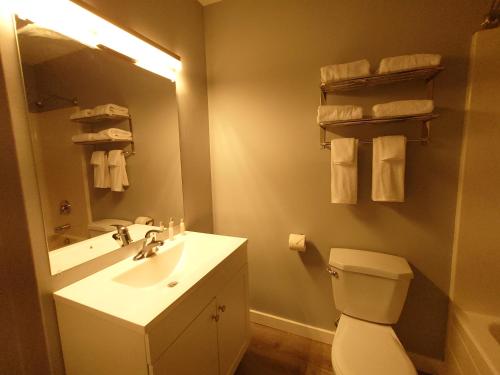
x=328 y=113
x=117 y=170
x=338 y=72
x=388 y=174
x=101 y=170
x=344 y=170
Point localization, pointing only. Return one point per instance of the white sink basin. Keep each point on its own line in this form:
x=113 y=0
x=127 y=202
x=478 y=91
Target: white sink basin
x=153 y=270
x=138 y=292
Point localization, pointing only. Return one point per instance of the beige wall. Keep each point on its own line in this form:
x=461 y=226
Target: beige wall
x=270 y=177
x=178 y=25
x=477 y=253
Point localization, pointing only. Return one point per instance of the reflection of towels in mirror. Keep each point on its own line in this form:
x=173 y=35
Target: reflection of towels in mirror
x=101 y=170
x=117 y=170
x=116 y=134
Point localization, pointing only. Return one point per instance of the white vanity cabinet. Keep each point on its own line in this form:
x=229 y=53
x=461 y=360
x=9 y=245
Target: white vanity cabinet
x=215 y=341
x=205 y=330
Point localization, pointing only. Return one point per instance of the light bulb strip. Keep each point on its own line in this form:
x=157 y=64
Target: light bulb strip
x=80 y=22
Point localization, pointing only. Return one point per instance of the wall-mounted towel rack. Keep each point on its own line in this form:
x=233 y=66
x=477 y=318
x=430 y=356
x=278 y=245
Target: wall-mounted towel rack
x=105 y=118
x=426 y=74
x=425 y=119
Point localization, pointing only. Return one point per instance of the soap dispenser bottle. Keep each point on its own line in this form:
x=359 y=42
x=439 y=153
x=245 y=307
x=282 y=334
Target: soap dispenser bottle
x=182 y=227
x=171 y=229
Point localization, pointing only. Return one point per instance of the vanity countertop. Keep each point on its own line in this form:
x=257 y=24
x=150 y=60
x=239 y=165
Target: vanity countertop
x=78 y=253
x=137 y=292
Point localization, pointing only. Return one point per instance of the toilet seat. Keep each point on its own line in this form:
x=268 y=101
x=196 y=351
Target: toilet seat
x=361 y=348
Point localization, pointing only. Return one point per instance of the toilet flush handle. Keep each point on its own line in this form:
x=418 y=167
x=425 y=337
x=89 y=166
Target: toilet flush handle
x=332 y=272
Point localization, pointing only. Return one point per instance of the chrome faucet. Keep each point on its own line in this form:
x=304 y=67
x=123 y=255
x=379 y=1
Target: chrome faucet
x=122 y=235
x=148 y=249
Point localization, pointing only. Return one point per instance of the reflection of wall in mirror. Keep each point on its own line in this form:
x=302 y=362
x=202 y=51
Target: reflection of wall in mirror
x=62 y=174
x=154 y=172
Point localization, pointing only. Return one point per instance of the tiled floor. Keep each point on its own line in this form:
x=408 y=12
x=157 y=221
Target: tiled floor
x=273 y=352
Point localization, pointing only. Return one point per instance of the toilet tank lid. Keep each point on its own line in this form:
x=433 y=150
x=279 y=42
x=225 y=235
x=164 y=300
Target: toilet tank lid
x=106 y=225
x=370 y=263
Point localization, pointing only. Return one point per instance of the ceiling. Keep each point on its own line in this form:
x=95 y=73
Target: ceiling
x=208 y=2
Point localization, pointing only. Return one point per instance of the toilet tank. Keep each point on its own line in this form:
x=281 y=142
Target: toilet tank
x=368 y=285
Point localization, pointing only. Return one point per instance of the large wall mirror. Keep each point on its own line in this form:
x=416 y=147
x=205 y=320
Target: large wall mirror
x=105 y=141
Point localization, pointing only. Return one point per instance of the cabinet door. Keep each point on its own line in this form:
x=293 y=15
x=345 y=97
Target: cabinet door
x=233 y=325
x=195 y=350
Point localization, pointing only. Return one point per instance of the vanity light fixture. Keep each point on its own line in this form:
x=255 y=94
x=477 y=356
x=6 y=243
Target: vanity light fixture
x=78 y=22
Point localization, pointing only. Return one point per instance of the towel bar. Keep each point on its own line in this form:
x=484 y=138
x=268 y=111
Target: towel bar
x=326 y=145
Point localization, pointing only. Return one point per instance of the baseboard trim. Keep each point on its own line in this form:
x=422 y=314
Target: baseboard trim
x=291 y=326
x=421 y=362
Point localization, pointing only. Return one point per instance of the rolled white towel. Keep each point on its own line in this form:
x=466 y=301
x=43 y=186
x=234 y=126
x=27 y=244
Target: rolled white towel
x=403 y=108
x=88 y=137
x=84 y=113
x=408 y=62
x=339 y=112
x=111 y=109
x=117 y=134
x=339 y=72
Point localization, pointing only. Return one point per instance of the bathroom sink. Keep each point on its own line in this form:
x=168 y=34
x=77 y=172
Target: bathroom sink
x=139 y=292
x=153 y=270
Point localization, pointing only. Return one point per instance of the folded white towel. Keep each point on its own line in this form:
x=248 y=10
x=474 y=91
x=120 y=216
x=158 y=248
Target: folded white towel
x=344 y=151
x=344 y=170
x=101 y=170
x=86 y=137
x=388 y=168
x=81 y=114
x=408 y=62
x=117 y=170
x=328 y=113
x=403 y=108
x=111 y=109
x=339 y=72
x=117 y=134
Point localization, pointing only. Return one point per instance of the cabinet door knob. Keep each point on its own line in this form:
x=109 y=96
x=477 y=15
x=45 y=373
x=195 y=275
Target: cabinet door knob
x=222 y=308
x=215 y=317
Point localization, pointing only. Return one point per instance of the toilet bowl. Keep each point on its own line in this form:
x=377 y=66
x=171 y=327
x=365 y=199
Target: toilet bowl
x=369 y=290
x=362 y=348
x=98 y=227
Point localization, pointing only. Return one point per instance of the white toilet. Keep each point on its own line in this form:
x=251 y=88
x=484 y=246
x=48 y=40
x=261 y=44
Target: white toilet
x=369 y=290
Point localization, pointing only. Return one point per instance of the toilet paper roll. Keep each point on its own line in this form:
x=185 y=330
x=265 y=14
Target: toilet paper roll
x=297 y=242
x=145 y=220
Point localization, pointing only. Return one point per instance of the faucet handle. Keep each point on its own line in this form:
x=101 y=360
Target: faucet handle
x=119 y=227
